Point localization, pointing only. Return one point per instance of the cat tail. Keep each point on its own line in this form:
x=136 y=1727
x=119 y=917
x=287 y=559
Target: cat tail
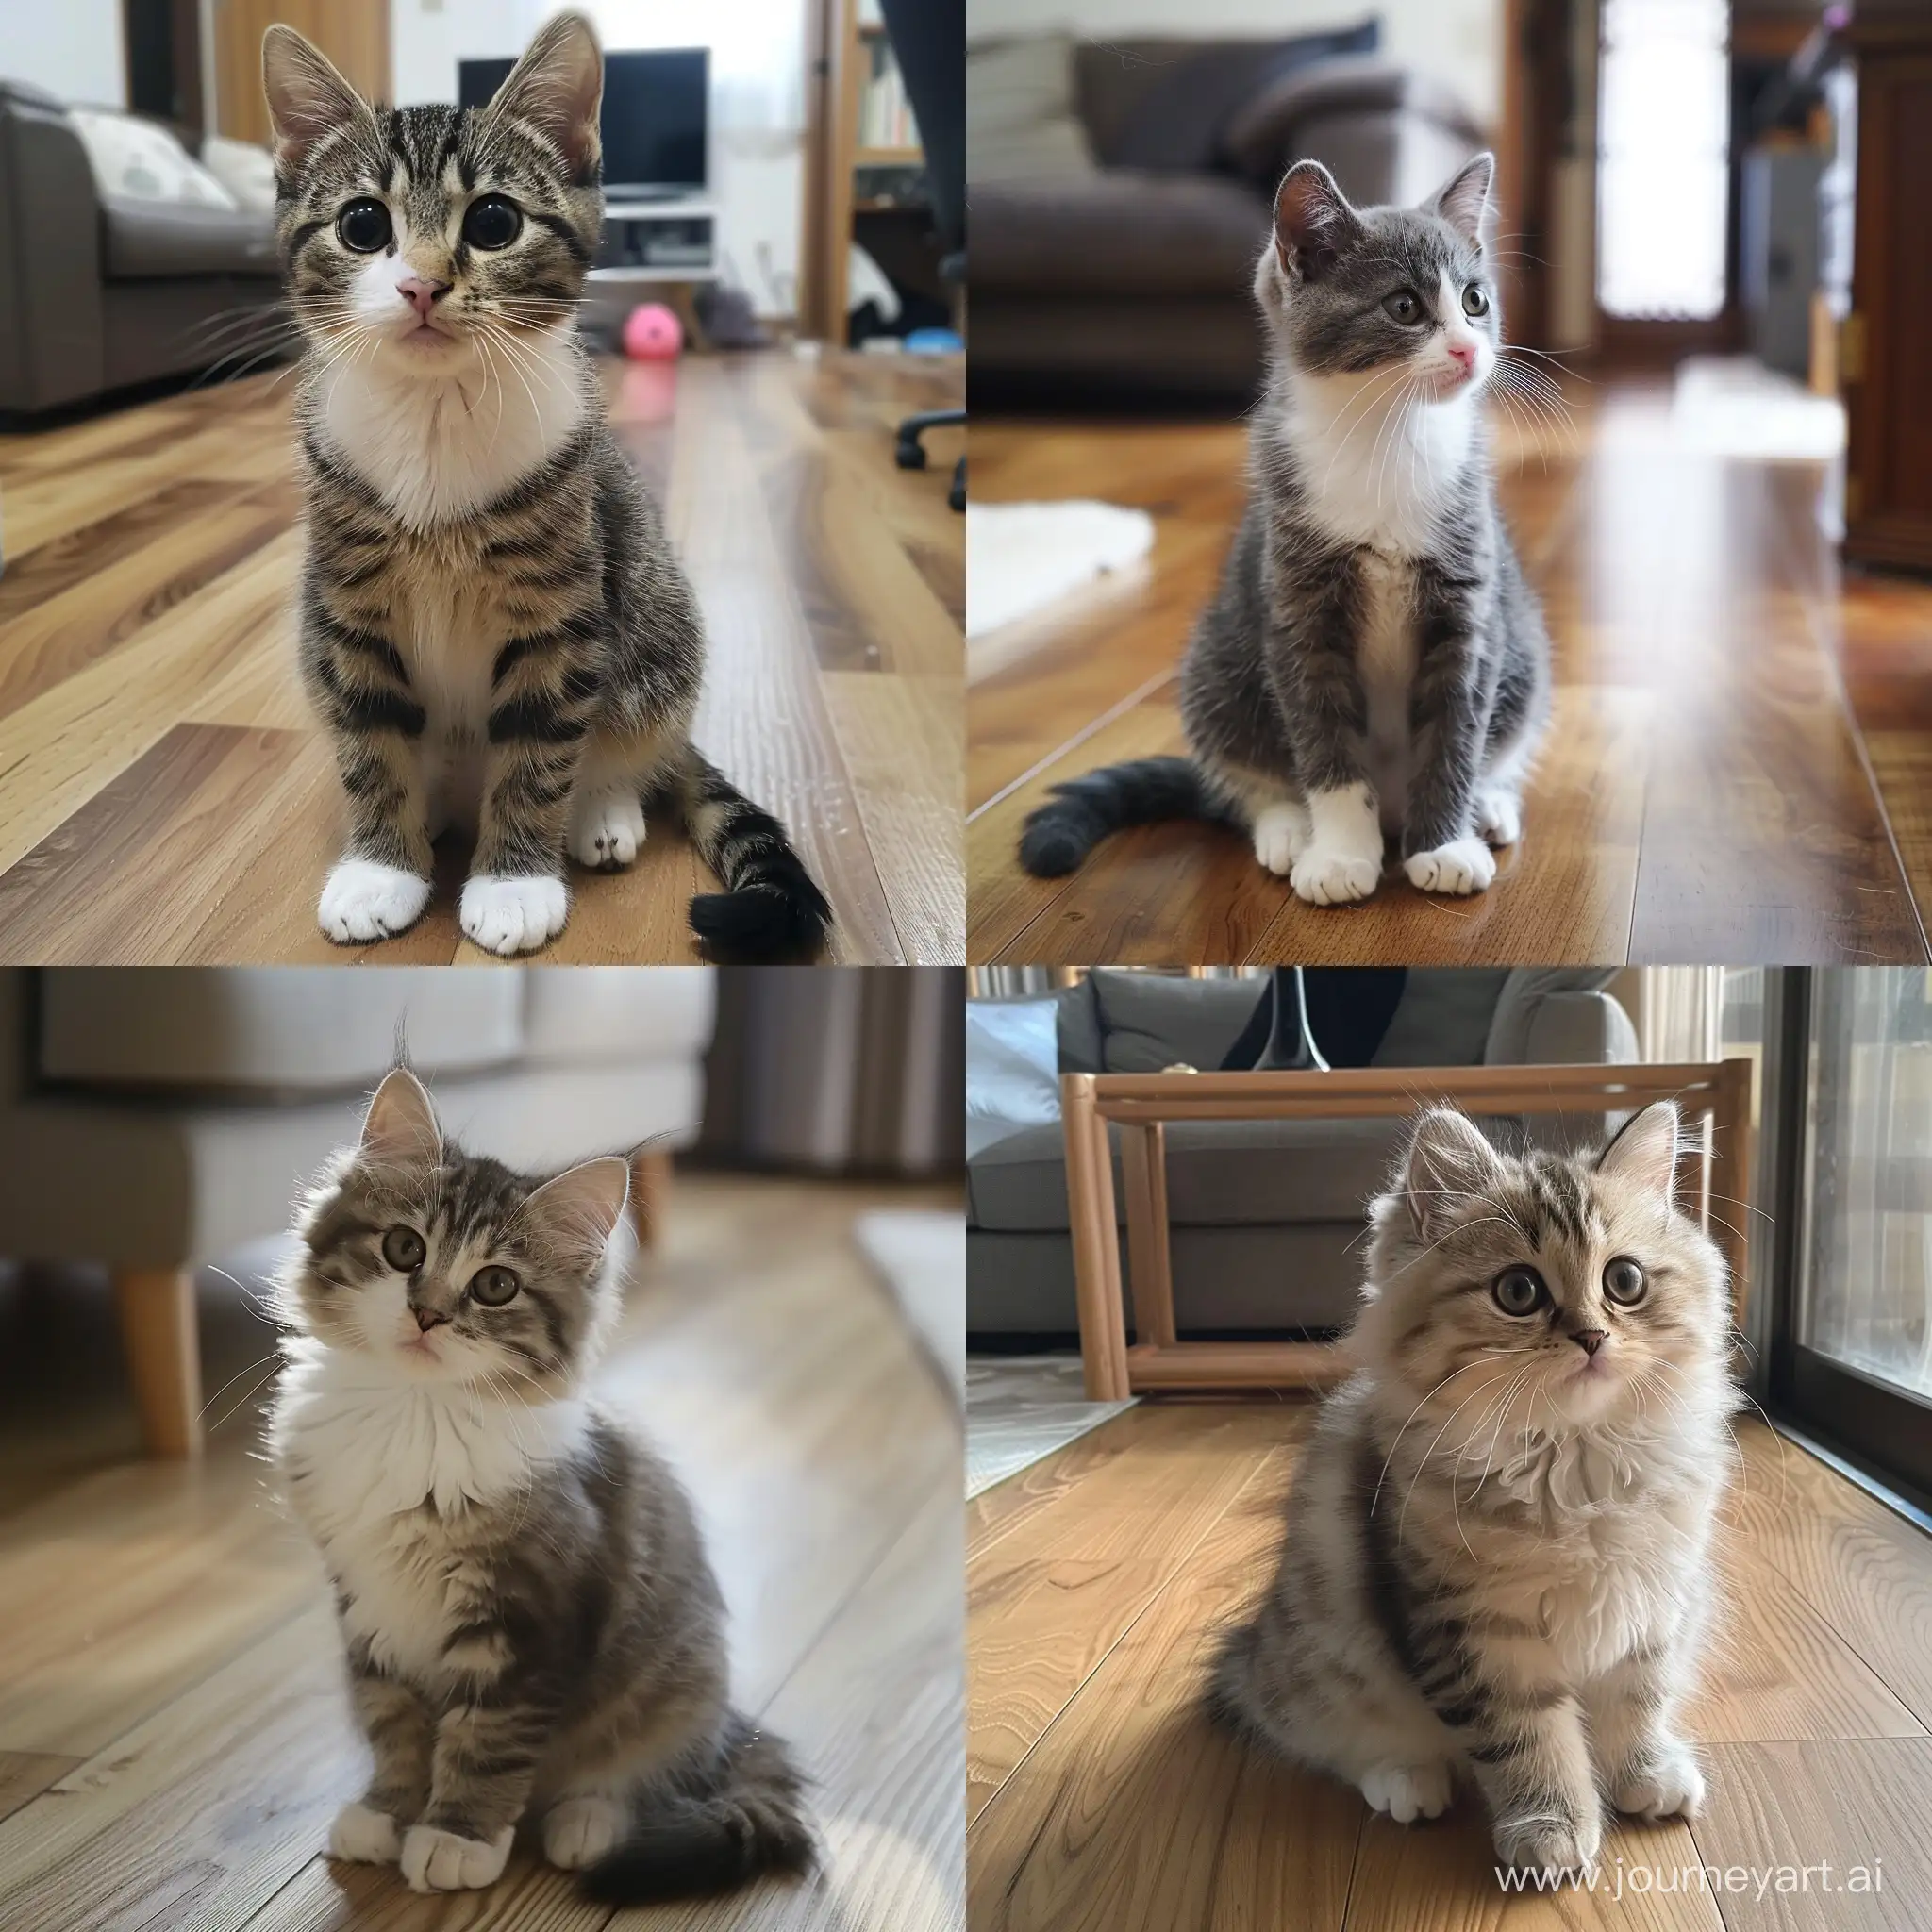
x=1229 y=1698
x=744 y=1820
x=1082 y=812
x=770 y=908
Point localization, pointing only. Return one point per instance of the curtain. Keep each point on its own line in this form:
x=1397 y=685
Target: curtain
x=839 y=1070
x=1680 y=1013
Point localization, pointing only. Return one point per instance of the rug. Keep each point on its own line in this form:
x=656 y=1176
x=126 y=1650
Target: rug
x=1020 y=1409
x=1023 y=557
x=922 y=1258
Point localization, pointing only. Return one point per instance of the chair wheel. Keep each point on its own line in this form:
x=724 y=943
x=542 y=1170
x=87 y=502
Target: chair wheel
x=911 y=454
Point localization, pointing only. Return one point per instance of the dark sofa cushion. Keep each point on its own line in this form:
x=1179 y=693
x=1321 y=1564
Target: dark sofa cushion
x=1151 y=1020
x=152 y=241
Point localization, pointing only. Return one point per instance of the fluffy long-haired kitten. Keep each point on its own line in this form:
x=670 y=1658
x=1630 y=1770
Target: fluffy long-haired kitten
x=1372 y=663
x=493 y=627
x=1497 y=1562
x=531 y=1627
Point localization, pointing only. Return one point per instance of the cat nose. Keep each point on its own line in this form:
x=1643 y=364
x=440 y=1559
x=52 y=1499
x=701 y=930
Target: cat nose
x=428 y=1319
x=422 y=295
x=1464 y=354
x=1591 y=1340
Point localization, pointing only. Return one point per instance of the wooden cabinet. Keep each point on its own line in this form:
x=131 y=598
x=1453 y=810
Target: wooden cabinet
x=1886 y=343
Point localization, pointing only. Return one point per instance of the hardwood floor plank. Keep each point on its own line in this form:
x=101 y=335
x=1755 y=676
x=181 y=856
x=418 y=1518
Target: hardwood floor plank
x=26 y=1774
x=1901 y=763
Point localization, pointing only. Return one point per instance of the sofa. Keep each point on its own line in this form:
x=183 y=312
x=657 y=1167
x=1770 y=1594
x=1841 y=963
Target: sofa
x=1118 y=192
x=154 y=1121
x=122 y=261
x=1265 y=1215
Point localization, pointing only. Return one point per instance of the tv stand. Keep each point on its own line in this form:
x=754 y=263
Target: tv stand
x=671 y=237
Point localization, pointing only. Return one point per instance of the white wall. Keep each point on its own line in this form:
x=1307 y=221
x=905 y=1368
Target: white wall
x=1459 y=41
x=758 y=102
x=70 y=47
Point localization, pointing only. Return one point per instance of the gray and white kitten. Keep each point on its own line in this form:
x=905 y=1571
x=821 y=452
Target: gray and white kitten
x=530 y=1624
x=1372 y=661
x=1497 y=1560
x=495 y=628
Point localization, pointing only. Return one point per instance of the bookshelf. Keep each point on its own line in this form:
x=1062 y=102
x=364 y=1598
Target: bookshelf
x=862 y=150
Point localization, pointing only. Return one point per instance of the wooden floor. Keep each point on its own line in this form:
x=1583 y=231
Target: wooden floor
x=1704 y=794
x=164 y=797
x=174 y=1734
x=1099 y=1801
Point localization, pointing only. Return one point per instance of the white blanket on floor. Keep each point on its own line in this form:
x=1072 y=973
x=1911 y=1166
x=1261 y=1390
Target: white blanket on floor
x=1022 y=557
x=923 y=1256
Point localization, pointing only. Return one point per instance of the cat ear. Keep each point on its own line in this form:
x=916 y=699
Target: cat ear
x=1645 y=1149
x=400 y=1130
x=1449 y=1160
x=307 y=96
x=579 y=1209
x=558 y=87
x=1465 y=203
x=1314 y=225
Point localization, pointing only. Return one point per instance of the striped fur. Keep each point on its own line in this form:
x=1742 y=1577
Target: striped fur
x=494 y=626
x=530 y=1624
x=1497 y=1562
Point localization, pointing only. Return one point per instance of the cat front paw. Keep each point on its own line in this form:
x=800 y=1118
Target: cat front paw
x=1670 y=1786
x=364 y=1837
x=363 y=900
x=1281 y=836
x=1556 y=1851
x=508 y=916
x=1462 y=866
x=1498 y=817
x=607 y=830
x=1408 y=1791
x=438 y=1860
x=1323 y=876
x=580 y=1831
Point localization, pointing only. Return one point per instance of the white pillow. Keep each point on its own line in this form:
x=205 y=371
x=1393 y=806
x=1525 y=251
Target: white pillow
x=1012 y=1069
x=136 y=160
x=247 y=171
x=1021 y=126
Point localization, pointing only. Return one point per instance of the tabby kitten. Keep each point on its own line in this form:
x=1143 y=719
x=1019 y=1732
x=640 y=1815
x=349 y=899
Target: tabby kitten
x=530 y=1623
x=1497 y=1553
x=494 y=626
x=1372 y=661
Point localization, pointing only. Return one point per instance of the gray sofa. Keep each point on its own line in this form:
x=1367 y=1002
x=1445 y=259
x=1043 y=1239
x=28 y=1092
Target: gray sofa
x=1263 y=1213
x=98 y=292
x=1134 y=274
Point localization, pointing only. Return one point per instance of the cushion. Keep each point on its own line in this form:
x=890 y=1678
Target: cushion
x=149 y=240
x=135 y=160
x=1528 y=987
x=1120 y=233
x=1150 y=1020
x=1443 y=1020
x=1259 y=138
x=247 y=171
x=605 y=1013
x=1012 y=1069
x=1081 y=1047
x=1020 y=118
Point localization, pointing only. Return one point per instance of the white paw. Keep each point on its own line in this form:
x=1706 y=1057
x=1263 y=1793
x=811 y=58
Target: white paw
x=1327 y=877
x=1499 y=817
x=580 y=1831
x=1670 y=1788
x=437 y=1861
x=1464 y=865
x=364 y=1837
x=362 y=900
x=1408 y=1791
x=1535 y=1844
x=1281 y=836
x=512 y=915
x=607 y=829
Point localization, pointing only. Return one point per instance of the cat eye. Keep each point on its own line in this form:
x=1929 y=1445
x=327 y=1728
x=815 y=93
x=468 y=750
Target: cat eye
x=1519 y=1290
x=365 y=225
x=493 y=1287
x=1405 y=305
x=402 y=1249
x=1624 y=1282
x=1474 y=302
x=492 y=222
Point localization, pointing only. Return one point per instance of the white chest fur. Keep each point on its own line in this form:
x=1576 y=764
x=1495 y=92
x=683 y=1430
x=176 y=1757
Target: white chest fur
x=359 y=1461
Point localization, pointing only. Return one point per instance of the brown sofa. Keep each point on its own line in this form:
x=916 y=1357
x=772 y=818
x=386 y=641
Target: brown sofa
x=1135 y=278
x=97 y=293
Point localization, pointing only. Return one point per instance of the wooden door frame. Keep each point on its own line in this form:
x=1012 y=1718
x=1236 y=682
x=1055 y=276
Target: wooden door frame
x=831 y=137
x=185 y=25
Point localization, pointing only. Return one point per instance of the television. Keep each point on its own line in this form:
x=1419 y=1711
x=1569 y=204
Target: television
x=655 y=121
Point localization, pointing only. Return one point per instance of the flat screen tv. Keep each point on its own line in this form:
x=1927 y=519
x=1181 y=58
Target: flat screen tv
x=655 y=121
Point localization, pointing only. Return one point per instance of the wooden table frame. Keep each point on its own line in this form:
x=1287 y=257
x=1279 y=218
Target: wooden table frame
x=1141 y=1104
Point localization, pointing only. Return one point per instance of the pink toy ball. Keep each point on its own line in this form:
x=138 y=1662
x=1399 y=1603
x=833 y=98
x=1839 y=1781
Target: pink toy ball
x=652 y=334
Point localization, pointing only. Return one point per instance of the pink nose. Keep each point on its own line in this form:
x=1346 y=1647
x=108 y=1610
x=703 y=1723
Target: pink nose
x=1464 y=354
x=421 y=297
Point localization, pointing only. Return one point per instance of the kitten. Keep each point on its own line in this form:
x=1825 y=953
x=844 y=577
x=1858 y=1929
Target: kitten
x=493 y=627
x=530 y=1623
x=1497 y=1555
x=1372 y=661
